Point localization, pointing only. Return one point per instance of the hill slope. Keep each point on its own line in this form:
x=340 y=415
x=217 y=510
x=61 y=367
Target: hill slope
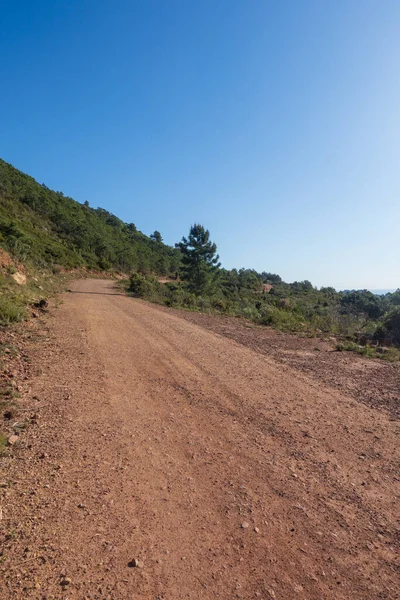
x=44 y=227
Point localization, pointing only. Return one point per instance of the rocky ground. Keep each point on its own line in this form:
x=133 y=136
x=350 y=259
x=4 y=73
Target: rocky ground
x=374 y=382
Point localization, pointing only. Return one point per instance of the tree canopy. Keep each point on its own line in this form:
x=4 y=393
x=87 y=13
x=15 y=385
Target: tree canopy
x=200 y=261
x=156 y=236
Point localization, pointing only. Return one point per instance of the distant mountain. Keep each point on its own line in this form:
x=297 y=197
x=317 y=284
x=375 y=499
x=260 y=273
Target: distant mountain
x=46 y=228
x=382 y=292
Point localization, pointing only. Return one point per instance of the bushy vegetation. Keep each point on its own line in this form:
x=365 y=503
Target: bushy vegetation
x=46 y=228
x=391 y=353
x=12 y=308
x=20 y=301
x=362 y=319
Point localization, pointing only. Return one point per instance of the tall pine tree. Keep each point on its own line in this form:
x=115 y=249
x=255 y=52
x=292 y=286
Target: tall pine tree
x=200 y=261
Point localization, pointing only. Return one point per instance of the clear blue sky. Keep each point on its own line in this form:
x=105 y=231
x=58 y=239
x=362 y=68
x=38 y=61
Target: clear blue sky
x=276 y=124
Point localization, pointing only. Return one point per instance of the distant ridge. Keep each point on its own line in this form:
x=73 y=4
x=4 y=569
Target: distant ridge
x=382 y=292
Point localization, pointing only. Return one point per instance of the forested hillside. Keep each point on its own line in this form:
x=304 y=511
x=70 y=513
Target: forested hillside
x=46 y=228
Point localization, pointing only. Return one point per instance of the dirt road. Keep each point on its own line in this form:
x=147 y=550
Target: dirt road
x=170 y=462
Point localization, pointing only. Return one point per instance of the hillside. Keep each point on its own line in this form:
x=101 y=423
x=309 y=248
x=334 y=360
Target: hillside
x=46 y=228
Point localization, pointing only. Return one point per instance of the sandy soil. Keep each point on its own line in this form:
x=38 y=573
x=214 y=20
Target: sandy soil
x=167 y=461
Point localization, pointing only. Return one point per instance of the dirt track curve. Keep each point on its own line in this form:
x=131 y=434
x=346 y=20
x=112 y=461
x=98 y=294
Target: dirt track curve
x=218 y=472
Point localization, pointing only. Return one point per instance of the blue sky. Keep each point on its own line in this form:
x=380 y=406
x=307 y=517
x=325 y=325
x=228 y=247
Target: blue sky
x=276 y=124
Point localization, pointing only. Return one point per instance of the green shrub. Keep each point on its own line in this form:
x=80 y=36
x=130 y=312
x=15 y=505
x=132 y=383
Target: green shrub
x=142 y=286
x=12 y=309
x=250 y=312
x=104 y=265
x=391 y=326
x=389 y=354
x=219 y=304
x=282 y=319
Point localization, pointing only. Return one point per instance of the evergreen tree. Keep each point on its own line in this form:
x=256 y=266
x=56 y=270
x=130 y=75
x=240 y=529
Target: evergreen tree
x=200 y=261
x=156 y=236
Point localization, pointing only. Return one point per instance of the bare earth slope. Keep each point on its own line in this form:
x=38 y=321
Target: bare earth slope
x=223 y=473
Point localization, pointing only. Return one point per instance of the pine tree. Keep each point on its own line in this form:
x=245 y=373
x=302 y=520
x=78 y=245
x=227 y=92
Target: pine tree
x=156 y=236
x=200 y=261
